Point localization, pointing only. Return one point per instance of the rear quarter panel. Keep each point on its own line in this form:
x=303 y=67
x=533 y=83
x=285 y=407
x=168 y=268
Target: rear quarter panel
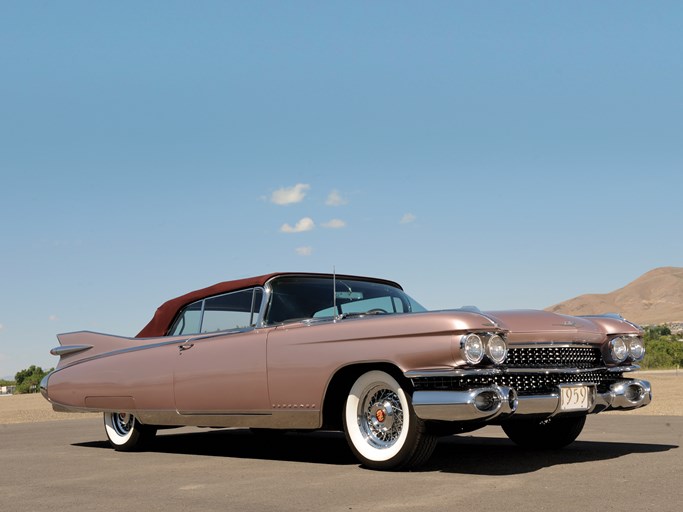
x=140 y=379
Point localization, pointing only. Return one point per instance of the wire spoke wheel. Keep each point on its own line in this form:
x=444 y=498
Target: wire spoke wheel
x=381 y=426
x=380 y=417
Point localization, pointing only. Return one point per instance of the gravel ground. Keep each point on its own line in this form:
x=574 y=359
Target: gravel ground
x=667 y=388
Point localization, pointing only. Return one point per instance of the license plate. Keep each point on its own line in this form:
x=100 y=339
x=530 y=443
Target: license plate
x=574 y=398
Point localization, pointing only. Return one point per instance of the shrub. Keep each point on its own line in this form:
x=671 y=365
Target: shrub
x=28 y=380
x=662 y=349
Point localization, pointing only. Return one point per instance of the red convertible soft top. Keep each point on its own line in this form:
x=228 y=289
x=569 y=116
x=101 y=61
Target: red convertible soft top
x=166 y=313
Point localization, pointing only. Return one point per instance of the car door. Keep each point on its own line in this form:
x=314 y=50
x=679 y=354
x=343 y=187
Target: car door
x=224 y=374
x=222 y=370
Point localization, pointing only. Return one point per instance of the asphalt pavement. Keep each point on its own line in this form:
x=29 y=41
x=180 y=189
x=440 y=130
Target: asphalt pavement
x=619 y=462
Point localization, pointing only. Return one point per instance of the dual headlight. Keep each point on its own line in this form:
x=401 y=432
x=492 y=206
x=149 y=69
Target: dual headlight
x=622 y=348
x=477 y=346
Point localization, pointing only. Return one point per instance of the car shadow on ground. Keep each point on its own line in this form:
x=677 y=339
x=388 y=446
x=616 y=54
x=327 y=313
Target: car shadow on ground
x=454 y=454
x=316 y=447
x=499 y=457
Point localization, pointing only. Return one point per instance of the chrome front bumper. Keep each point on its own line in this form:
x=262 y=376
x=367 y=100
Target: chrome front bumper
x=498 y=402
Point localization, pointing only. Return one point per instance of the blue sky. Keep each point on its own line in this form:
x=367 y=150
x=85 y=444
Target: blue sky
x=503 y=154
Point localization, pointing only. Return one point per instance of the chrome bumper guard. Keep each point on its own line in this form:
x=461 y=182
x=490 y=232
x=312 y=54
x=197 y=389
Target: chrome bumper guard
x=498 y=402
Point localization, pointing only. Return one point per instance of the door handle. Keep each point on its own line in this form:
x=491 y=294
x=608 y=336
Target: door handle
x=185 y=346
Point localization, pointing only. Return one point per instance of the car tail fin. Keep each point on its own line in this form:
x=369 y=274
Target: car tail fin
x=75 y=346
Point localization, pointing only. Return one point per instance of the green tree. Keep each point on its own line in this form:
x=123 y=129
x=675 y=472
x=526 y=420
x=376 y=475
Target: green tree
x=28 y=380
x=662 y=348
x=653 y=332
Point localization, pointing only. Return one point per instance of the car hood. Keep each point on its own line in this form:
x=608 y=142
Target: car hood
x=533 y=325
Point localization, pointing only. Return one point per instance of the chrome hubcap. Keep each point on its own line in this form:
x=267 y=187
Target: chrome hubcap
x=380 y=417
x=122 y=422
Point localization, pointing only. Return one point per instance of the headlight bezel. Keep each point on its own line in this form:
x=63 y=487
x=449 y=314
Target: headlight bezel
x=484 y=347
x=469 y=342
x=636 y=348
x=624 y=348
x=494 y=352
x=617 y=349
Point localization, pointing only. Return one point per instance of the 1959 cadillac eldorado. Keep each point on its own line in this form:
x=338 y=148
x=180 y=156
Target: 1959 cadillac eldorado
x=293 y=351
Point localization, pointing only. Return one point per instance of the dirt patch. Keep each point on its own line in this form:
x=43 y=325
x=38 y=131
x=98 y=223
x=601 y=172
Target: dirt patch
x=32 y=408
x=667 y=388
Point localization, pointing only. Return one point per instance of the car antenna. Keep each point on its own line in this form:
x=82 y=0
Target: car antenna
x=334 y=289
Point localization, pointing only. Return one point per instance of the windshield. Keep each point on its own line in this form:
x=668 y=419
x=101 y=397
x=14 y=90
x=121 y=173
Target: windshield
x=298 y=298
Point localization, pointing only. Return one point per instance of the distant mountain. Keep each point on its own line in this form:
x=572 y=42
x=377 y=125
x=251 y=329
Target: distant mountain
x=656 y=297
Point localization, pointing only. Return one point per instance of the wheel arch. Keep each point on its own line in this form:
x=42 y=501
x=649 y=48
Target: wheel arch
x=340 y=385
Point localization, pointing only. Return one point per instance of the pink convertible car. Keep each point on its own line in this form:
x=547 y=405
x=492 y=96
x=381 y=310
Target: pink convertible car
x=293 y=351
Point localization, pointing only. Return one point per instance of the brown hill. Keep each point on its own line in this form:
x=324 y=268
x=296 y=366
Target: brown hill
x=656 y=297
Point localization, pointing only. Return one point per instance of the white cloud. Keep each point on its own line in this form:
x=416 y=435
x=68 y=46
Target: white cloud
x=1 y=327
x=305 y=224
x=290 y=195
x=53 y=318
x=304 y=251
x=408 y=218
x=334 y=199
x=334 y=224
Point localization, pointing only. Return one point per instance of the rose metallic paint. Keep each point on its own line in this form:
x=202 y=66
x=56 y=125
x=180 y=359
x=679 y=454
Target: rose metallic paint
x=266 y=367
x=296 y=373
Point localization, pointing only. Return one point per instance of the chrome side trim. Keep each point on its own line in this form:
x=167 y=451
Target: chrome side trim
x=289 y=419
x=174 y=341
x=125 y=350
x=264 y=419
x=69 y=349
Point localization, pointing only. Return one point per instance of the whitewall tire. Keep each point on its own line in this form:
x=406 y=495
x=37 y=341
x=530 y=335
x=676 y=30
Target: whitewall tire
x=125 y=432
x=381 y=426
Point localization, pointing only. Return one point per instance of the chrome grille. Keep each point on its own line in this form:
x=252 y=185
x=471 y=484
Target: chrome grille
x=523 y=383
x=554 y=357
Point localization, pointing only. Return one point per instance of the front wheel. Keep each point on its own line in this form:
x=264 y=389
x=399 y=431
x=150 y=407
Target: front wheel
x=381 y=426
x=554 y=432
x=125 y=432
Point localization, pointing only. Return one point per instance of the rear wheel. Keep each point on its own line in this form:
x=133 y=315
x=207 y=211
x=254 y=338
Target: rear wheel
x=381 y=426
x=125 y=432
x=554 y=432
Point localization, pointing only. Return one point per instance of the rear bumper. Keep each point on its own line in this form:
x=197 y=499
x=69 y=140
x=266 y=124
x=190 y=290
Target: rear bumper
x=499 y=402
